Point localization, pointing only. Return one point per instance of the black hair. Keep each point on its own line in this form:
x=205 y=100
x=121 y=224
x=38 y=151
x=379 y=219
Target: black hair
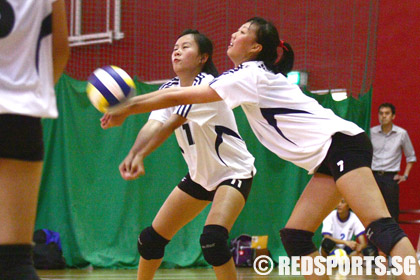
x=387 y=105
x=268 y=37
x=205 y=46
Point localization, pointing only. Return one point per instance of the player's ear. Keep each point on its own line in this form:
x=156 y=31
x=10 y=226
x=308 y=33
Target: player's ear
x=204 y=58
x=256 y=48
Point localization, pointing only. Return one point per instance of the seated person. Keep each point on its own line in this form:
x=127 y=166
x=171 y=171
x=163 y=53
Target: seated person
x=338 y=229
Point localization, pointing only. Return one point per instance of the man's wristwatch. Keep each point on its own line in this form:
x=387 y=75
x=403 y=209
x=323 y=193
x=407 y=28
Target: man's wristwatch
x=405 y=177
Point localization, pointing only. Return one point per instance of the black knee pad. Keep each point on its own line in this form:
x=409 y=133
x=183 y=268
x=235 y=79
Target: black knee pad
x=151 y=245
x=384 y=234
x=327 y=245
x=297 y=242
x=213 y=242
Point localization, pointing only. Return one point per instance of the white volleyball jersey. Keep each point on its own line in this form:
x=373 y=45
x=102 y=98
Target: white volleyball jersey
x=164 y=114
x=285 y=120
x=209 y=140
x=344 y=230
x=26 y=70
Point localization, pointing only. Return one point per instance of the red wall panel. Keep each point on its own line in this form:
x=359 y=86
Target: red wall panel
x=396 y=81
x=332 y=39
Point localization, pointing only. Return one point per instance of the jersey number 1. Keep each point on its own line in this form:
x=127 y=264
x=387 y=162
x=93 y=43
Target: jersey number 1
x=187 y=129
x=341 y=165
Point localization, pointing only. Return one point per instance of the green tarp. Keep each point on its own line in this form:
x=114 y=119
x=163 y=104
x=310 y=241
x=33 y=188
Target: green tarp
x=99 y=215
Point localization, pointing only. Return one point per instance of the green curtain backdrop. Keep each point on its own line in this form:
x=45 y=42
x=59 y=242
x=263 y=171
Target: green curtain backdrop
x=99 y=215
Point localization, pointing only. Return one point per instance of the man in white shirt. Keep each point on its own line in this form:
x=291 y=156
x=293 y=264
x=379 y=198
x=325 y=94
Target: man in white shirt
x=389 y=141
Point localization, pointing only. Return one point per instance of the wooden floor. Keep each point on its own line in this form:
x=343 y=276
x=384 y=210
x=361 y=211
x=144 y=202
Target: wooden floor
x=178 y=274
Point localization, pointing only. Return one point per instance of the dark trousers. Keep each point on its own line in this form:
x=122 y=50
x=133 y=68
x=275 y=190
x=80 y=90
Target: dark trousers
x=390 y=191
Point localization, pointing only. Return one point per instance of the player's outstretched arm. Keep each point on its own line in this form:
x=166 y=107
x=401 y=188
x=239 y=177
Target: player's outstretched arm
x=136 y=167
x=165 y=98
x=172 y=97
x=143 y=137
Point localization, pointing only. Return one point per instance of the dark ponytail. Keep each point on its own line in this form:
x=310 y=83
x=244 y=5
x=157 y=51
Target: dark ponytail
x=205 y=46
x=285 y=64
x=268 y=37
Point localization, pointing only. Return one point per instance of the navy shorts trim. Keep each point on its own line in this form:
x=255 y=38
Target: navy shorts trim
x=21 y=138
x=347 y=153
x=197 y=191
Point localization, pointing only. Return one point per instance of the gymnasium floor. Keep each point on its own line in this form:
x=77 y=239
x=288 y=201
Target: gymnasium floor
x=178 y=274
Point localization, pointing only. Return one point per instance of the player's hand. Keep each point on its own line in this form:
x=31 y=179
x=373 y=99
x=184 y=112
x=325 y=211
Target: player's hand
x=115 y=119
x=132 y=167
x=125 y=167
x=352 y=244
x=359 y=247
x=137 y=166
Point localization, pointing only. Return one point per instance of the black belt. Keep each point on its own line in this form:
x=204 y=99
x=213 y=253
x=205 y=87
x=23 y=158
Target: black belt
x=381 y=173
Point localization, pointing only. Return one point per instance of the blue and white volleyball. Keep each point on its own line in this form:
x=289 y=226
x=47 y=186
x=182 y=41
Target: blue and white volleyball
x=109 y=86
x=339 y=253
x=338 y=257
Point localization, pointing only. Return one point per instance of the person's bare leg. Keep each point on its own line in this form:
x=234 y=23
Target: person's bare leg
x=147 y=268
x=19 y=186
x=360 y=190
x=177 y=211
x=318 y=199
x=227 y=205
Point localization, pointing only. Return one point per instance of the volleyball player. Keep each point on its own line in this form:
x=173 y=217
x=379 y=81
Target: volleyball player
x=339 y=228
x=220 y=167
x=31 y=60
x=297 y=129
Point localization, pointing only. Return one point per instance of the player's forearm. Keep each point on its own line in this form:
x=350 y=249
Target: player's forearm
x=336 y=240
x=61 y=49
x=158 y=139
x=171 y=97
x=362 y=242
x=145 y=134
x=153 y=101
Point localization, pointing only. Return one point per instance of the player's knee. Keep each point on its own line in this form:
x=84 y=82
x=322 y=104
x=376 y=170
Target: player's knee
x=213 y=242
x=327 y=245
x=151 y=245
x=297 y=242
x=384 y=233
